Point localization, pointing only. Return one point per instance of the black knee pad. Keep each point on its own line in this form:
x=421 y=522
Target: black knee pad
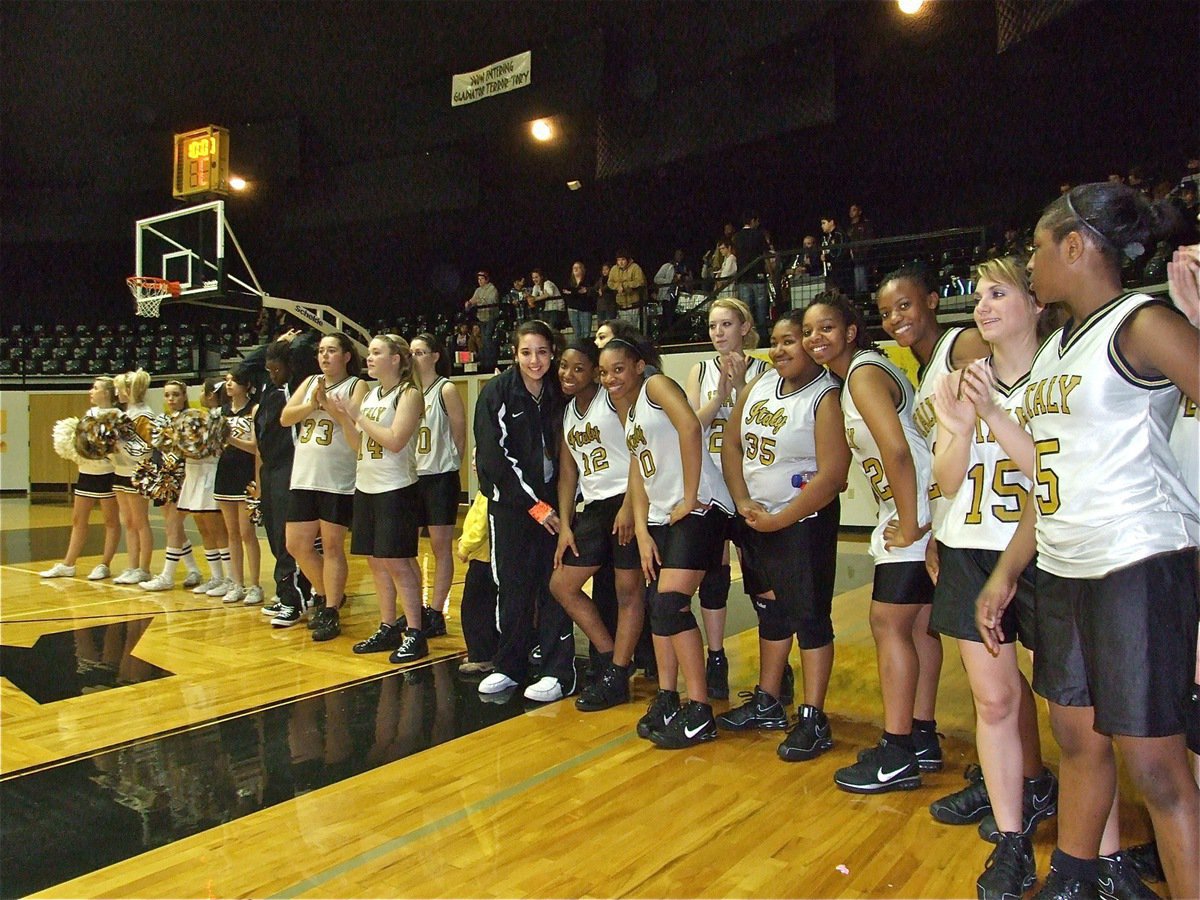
x=671 y=614
x=714 y=589
x=814 y=632
x=774 y=623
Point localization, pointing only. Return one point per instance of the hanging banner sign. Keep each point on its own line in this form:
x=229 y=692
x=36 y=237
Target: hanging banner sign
x=498 y=78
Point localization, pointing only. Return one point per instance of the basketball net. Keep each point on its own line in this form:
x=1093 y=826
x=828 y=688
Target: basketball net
x=149 y=292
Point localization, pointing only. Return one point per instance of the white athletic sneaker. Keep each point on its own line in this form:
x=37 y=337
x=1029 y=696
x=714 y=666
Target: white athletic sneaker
x=254 y=595
x=126 y=577
x=545 y=690
x=235 y=594
x=160 y=582
x=193 y=579
x=59 y=570
x=495 y=683
x=220 y=587
x=205 y=586
x=99 y=573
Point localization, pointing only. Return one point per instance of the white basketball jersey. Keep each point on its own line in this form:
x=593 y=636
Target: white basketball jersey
x=1185 y=444
x=379 y=469
x=710 y=376
x=779 y=437
x=866 y=454
x=924 y=415
x=1108 y=488
x=596 y=439
x=653 y=440
x=323 y=460
x=436 y=452
x=984 y=513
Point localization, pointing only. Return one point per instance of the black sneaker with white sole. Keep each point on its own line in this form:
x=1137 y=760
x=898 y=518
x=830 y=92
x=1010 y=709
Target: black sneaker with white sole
x=664 y=705
x=692 y=725
x=1062 y=887
x=966 y=806
x=412 y=646
x=286 y=617
x=1119 y=880
x=609 y=690
x=433 y=623
x=325 y=625
x=809 y=737
x=1039 y=800
x=882 y=768
x=272 y=609
x=760 y=710
x=928 y=748
x=387 y=638
x=1010 y=870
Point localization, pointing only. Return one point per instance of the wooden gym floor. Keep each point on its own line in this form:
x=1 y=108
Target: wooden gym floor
x=163 y=745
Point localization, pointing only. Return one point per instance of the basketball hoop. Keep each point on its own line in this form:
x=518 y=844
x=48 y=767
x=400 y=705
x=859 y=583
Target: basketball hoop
x=149 y=293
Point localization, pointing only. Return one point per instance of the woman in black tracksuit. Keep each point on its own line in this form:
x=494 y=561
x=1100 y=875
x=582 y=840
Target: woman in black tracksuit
x=517 y=423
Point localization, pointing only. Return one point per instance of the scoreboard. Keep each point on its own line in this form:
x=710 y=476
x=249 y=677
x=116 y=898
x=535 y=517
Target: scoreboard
x=201 y=162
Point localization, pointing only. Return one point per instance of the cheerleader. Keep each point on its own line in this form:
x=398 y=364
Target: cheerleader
x=785 y=460
x=877 y=405
x=322 y=485
x=235 y=471
x=517 y=420
x=441 y=438
x=196 y=496
x=385 y=493
x=134 y=508
x=1115 y=532
x=712 y=387
x=681 y=509
x=94 y=485
x=594 y=459
x=179 y=548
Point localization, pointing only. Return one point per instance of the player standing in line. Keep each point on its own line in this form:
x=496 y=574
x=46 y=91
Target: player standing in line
x=681 y=508
x=877 y=405
x=322 y=487
x=1115 y=532
x=235 y=470
x=179 y=548
x=441 y=438
x=94 y=485
x=134 y=508
x=785 y=461
x=594 y=458
x=385 y=494
x=196 y=496
x=983 y=464
x=712 y=387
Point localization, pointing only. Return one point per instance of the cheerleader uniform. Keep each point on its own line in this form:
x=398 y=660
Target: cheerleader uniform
x=236 y=467
x=924 y=414
x=95 y=475
x=199 y=482
x=385 y=523
x=438 y=462
x=130 y=453
x=324 y=465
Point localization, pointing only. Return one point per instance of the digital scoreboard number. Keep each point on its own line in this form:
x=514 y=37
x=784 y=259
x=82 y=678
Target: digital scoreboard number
x=201 y=162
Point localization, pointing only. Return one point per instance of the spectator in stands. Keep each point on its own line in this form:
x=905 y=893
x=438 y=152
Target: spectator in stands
x=712 y=262
x=1064 y=187
x=833 y=259
x=486 y=302
x=669 y=280
x=517 y=299
x=1138 y=180
x=549 y=299
x=1116 y=178
x=581 y=301
x=475 y=344
x=750 y=248
x=606 y=297
x=861 y=229
x=727 y=273
x=808 y=261
x=629 y=283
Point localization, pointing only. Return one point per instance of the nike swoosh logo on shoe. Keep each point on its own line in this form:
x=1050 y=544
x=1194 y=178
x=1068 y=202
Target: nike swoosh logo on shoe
x=692 y=732
x=667 y=719
x=1106 y=886
x=885 y=777
x=1040 y=801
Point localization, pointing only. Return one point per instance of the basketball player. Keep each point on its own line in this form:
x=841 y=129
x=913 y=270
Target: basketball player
x=785 y=461
x=712 y=387
x=134 y=508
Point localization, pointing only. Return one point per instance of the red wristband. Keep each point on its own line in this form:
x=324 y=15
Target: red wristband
x=542 y=511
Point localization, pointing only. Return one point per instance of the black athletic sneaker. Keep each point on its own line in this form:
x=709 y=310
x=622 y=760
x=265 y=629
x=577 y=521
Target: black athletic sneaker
x=286 y=617
x=325 y=625
x=760 y=710
x=609 y=690
x=412 y=646
x=882 y=768
x=433 y=623
x=1145 y=861
x=928 y=749
x=967 y=805
x=313 y=608
x=787 y=687
x=716 y=673
x=1039 y=801
x=271 y=610
x=660 y=711
x=692 y=725
x=386 y=638
x=1059 y=887
x=1010 y=870
x=1118 y=880
x=809 y=737
x=535 y=655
